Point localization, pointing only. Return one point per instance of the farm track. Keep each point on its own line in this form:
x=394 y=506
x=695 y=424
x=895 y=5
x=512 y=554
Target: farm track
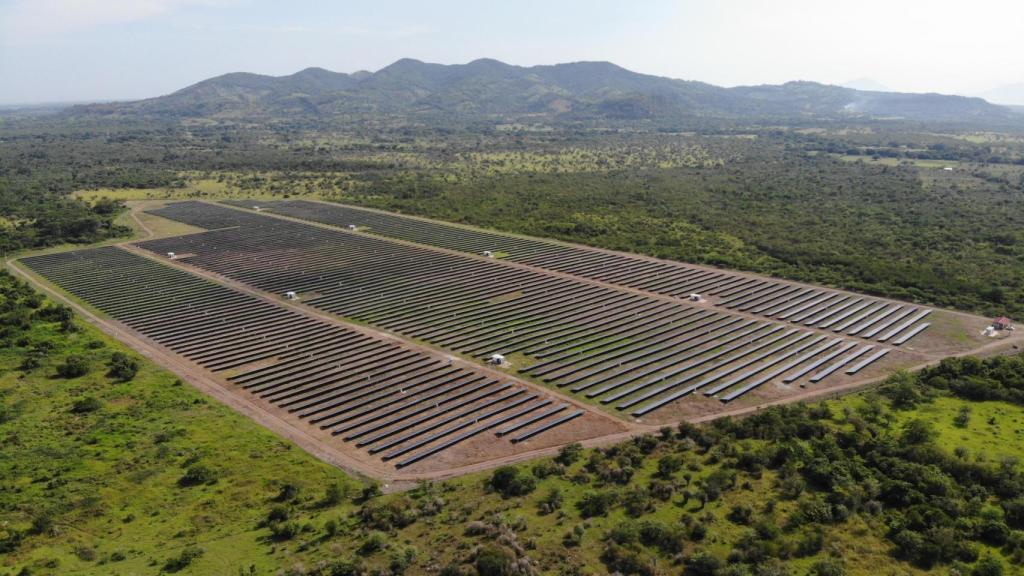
x=451 y=300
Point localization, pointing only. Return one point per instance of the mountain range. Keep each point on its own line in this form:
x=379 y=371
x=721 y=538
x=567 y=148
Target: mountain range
x=489 y=89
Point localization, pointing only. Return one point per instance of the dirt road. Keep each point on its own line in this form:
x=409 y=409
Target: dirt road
x=329 y=449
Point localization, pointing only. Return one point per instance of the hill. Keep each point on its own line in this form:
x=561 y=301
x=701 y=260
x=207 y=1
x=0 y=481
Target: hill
x=488 y=88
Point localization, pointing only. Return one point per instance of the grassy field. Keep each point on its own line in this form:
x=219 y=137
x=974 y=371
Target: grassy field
x=148 y=476
x=104 y=490
x=108 y=480
x=992 y=431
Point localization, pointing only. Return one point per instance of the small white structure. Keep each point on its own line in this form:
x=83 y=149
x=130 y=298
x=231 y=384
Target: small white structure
x=496 y=359
x=291 y=295
x=488 y=254
x=352 y=227
x=695 y=297
x=948 y=168
x=170 y=255
x=256 y=208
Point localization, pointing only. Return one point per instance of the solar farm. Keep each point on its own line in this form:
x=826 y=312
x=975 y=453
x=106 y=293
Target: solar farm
x=418 y=347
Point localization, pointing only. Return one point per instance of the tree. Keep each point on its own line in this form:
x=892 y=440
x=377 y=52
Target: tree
x=701 y=563
x=510 y=481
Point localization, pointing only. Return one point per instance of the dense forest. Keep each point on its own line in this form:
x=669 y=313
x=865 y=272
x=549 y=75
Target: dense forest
x=902 y=476
x=924 y=213
x=33 y=215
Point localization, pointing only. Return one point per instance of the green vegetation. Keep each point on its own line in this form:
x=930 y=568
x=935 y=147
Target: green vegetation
x=33 y=216
x=100 y=474
x=952 y=241
x=861 y=204
x=110 y=465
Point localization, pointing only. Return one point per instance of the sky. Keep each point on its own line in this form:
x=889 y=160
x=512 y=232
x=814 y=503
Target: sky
x=89 y=50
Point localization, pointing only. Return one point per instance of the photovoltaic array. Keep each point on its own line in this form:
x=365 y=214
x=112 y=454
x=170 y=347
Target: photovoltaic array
x=397 y=403
x=842 y=313
x=635 y=351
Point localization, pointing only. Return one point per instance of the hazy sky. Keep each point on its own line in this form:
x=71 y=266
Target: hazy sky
x=72 y=50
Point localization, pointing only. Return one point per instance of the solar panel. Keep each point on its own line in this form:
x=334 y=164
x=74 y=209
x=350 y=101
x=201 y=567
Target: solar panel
x=824 y=373
x=865 y=362
x=911 y=334
x=547 y=426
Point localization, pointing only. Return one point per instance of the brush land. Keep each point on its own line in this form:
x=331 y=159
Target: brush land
x=111 y=465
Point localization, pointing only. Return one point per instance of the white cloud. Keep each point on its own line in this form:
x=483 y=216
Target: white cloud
x=40 y=21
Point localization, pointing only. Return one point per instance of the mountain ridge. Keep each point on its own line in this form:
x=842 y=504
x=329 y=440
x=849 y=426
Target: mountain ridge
x=489 y=88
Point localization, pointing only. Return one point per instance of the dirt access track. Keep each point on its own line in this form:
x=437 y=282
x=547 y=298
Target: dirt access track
x=597 y=428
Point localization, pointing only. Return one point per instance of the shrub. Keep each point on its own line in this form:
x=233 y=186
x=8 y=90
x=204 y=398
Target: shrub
x=374 y=542
x=277 y=514
x=702 y=564
x=9 y=540
x=182 y=560
x=198 y=474
x=596 y=503
x=389 y=515
x=85 y=405
x=637 y=501
x=662 y=489
x=569 y=454
x=331 y=528
x=369 y=492
x=42 y=523
x=918 y=432
x=30 y=361
x=622 y=560
x=546 y=468
x=551 y=501
x=668 y=539
x=280 y=531
x=494 y=560
x=669 y=465
x=828 y=567
x=74 y=366
x=402 y=559
x=740 y=514
x=988 y=566
x=345 y=568
x=122 y=367
x=287 y=492
x=333 y=495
